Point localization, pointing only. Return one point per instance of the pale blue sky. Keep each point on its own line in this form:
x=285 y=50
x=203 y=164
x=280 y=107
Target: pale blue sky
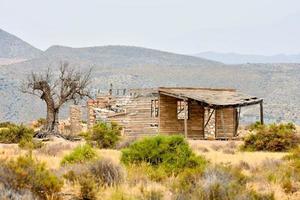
x=187 y=26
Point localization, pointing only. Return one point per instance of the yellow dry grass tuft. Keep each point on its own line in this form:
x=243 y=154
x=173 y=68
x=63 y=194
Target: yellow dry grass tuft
x=217 y=155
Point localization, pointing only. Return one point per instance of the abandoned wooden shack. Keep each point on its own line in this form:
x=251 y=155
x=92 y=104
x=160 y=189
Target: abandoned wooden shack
x=197 y=113
x=190 y=110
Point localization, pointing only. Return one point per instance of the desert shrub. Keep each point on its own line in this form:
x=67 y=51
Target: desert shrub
x=12 y=133
x=27 y=173
x=151 y=194
x=244 y=165
x=294 y=158
x=170 y=153
x=106 y=172
x=188 y=179
x=104 y=135
x=30 y=144
x=219 y=182
x=256 y=126
x=5 y=124
x=80 y=154
x=73 y=173
x=7 y=193
x=273 y=137
x=88 y=188
x=294 y=163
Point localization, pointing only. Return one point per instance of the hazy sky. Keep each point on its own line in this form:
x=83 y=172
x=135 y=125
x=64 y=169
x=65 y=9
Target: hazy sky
x=182 y=26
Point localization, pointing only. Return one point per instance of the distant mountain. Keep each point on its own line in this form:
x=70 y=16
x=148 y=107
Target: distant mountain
x=12 y=47
x=122 y=56
x=137 y=67
x=234 y=58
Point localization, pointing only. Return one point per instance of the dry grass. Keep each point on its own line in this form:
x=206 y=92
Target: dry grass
x=227 y=152
x=138 y=185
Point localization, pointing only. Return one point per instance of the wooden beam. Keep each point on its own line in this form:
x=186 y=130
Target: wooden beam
x=185 y=119
x=261 y=112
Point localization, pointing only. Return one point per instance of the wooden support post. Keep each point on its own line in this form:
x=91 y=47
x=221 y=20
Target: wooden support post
x=261 y=112
x=223 y=123
x=185 y=118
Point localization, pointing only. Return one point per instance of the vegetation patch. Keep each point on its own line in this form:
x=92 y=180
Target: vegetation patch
x=220 y=182
x=273 y=137
x=104 y=135
x=169 y=154
x=80 y=154
x=27 y=173
x=106 y=172
x=13 y=133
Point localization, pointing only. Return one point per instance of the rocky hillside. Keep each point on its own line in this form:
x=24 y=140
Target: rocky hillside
x=131 y=67
x=13 y=47
x=278 y=84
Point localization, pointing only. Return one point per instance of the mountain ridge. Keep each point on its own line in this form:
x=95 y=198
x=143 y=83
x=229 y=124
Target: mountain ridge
x=12 y=46
x=236 y=58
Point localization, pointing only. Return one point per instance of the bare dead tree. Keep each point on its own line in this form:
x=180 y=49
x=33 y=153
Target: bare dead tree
x=69 y=85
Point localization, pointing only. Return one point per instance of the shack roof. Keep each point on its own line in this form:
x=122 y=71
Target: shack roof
x=212 y=97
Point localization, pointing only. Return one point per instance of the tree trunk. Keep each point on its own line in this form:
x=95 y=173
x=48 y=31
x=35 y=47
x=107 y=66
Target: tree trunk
x=52 y=120
x=51 y=126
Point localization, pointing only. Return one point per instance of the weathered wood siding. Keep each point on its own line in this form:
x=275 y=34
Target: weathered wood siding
x=169 y=123
x=138 y=120
x=225 y=122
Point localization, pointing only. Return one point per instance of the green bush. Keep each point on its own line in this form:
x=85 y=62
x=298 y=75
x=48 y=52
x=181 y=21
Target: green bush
x=5 y=124
x=273 y=137
x=104 y=135
x=170 y=153
x=79 y=155
x=12 y=133
x=27 y=173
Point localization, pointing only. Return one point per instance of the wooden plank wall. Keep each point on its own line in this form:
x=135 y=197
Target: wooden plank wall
x=138 y=119
x=226 y=127
x=169 y=124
